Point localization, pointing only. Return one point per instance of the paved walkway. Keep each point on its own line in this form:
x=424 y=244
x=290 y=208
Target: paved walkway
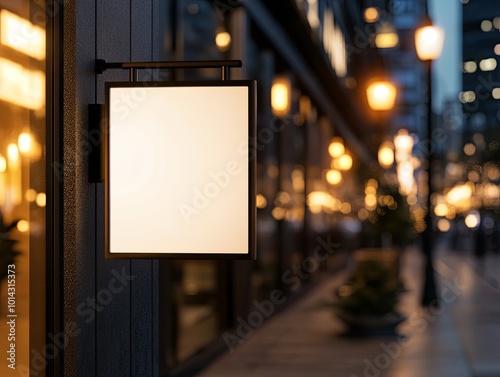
x=460 y=339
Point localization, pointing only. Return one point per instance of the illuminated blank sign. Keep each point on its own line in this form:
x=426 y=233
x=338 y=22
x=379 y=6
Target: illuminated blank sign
x=179 y=170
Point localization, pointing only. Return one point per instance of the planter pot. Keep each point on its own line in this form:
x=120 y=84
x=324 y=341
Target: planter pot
x=371 y=325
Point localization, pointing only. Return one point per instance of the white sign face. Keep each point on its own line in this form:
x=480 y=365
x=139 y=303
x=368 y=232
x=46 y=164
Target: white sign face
x=179 y=178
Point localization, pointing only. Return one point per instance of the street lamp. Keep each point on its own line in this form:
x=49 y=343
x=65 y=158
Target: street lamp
x=429 y=44
x=381 y=95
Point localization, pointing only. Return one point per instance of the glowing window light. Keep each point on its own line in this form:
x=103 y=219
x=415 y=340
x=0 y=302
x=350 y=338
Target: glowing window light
x=441 y=209
x=469 y=149
x=387 y=37
x=21 y=86
x=336 y=147
x=371 y=14
x=24 y=142
x=386 y=154
x=23 y=226
x=41 y=199
x=381 y=95
x=281 y=96
x=444 y=225
x=486 y=26
x=3 y=164
x=488 y=64
x=470 y=67
x=223 y=40
x=472 y=220
x=345 y=162
x=261 y=201
x=30 y=195
x=21 y=35
x=13 y=153
x=334 y=177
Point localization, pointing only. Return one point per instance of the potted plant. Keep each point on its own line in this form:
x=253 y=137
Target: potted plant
x=367 y=301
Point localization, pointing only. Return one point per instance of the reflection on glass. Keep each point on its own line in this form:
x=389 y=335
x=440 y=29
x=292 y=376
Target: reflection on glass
x=22 y=177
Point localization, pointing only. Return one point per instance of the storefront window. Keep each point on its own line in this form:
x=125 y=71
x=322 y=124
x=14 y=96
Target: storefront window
x=22 y=182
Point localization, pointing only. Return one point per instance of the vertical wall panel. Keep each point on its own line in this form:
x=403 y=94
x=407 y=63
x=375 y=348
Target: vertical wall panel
x=118 y=332
x=113 y=322
x=86 y=192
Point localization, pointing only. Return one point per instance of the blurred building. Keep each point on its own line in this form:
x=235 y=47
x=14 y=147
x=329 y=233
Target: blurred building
x=481 y=78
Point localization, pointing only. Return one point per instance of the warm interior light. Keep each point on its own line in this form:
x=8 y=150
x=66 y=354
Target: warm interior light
x=336 y=147
x=404 y=145
x=41 y=199
x=429 y=42
x=281 y=96
x=472 y=220
x=371 y=14
x=333 y=177
x=13 y=153
x=23 y=226
x=381 y=95
x=21 y=86
x=386 y=154
x=386 y=37
x=223 y=40
x=3 y=164
x=345 y=162
x=24 y=142
x=21 y=35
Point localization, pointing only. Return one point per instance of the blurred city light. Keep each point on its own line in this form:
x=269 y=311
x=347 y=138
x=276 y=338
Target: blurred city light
x=381 y=95
x=281 y=96
x=371 y=14
x=429 y=42
x=336 y=147
x=386 y=37
x=386 y=154
x=223 y=40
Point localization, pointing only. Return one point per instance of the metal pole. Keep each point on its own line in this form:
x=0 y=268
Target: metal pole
x=429 y=294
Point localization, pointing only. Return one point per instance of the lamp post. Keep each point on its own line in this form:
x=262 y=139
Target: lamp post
x=429 y=43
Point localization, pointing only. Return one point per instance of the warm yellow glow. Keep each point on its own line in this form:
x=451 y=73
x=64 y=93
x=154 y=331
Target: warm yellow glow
x=387 y=39
x=305 y=106
x=30 y=195
x=403 y=143
x=488 y=64
x=405 y=177
x=281 y=96
x=13 y=153
x=346 y=208
x=497 y=49
x=381 y=95
x=429 y=42
x=41 y=199
x=496 y=93
x=317 y=200
x=336 y=147
x=371 y=14
x=470 y=67
x=21 y=86
x=24 y=142
x=21 y=35
x=472 y=220
x=23 y=226
x=441 y=209
x=298 y=182
x=386 y=154
x=344 y=162
x=3 y=164
x=370 y=202
x=458 y=194
x=486 y=26
x=223 y=40
x=278 y=213
x=372 y=182
x=469 y=149
x=333 y=177
x=444 y=225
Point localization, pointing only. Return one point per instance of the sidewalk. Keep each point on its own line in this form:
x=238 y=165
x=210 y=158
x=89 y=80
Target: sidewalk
x=460 y=339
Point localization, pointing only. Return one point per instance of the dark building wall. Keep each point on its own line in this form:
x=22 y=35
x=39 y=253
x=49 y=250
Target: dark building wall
x=120 y=337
